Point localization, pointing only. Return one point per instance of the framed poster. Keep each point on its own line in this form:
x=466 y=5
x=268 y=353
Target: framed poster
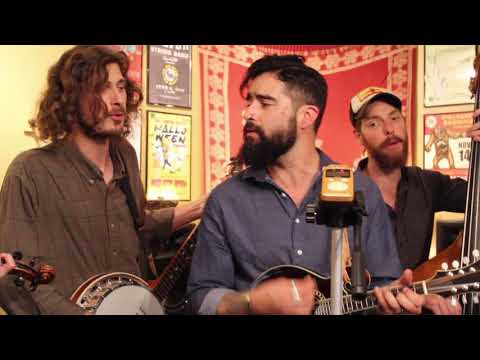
x=169 y=139
x=170 y=75
x=135 y=55
x=447 y=148
x=448 y=69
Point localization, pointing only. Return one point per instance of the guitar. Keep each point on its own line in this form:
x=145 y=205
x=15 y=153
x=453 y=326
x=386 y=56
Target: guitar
x=172 y=273
x=448 y=282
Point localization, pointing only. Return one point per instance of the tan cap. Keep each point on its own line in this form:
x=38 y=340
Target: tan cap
x=367 y=95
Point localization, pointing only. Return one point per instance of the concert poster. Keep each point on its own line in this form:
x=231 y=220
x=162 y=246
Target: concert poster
x=169 y=138
x=170 y=75
x=446 y=147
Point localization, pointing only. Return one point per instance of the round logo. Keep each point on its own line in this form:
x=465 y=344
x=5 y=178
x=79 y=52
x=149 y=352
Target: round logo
x=170 y=74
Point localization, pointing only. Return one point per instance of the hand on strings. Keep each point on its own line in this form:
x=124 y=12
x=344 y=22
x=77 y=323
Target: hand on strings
x=405 y=300
x=6 y=264
x=474 y=131
x=442 y=306
x=284 y=296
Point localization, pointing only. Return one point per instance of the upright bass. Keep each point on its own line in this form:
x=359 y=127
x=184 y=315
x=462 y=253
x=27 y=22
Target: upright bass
x=465 y=249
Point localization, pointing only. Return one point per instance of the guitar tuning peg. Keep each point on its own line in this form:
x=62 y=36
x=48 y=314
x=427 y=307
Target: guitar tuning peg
x=453 y=301
x=466 y=260
x=455 y=264
x=453 y=290
x=471 y=269
x=476 y=285
x=444 y=266
x=464 y=299
x=475 y=298
x=476 y=254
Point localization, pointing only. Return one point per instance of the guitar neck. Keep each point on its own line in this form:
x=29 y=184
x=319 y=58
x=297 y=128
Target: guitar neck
x=175 y=268
x=350 y=306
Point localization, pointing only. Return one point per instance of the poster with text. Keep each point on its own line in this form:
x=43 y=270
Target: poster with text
x=170 y=75
x=169 y=138
x=447 y=148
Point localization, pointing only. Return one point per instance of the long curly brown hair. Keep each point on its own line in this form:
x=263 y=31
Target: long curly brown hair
x=80 y=70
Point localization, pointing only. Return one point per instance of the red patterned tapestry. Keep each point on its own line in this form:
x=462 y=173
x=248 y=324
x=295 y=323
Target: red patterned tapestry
x=347 y=69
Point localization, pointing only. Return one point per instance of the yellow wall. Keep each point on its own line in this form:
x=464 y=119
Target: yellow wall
x=23 y=75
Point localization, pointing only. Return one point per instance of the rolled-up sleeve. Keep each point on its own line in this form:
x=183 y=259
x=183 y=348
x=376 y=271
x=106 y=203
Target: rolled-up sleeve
x=212 y=272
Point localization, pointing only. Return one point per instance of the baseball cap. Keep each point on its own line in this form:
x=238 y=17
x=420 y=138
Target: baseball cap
x=360 y=101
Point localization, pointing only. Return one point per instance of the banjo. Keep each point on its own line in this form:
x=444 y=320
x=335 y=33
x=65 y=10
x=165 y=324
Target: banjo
x=121 y=293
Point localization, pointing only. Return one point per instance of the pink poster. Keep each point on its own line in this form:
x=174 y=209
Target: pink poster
x=134 y=53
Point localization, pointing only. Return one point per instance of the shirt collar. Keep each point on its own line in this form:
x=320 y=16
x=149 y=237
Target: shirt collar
x=86 y=166
x=261 y=175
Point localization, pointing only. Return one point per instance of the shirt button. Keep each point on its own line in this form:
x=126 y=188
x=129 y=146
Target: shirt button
x=91 y=181
x=115 y=252
x=113 y=226
x=297 y=220
x=299 y=252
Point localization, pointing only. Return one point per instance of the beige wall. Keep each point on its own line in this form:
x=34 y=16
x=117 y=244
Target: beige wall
x=23 y=74
x=23 y=77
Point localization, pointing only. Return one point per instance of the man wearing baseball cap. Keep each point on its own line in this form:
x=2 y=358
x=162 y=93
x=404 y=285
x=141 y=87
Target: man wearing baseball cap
x=410 y=193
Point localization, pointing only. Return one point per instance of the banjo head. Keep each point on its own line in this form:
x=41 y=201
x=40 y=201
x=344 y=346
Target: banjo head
x=119 y=294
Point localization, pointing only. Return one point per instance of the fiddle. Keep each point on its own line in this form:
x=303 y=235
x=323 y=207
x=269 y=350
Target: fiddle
x=43 y=274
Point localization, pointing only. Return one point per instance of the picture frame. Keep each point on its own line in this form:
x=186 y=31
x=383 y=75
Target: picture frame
x=169 y=75
x=169 y=147
x=446 y=145
x=448 y=69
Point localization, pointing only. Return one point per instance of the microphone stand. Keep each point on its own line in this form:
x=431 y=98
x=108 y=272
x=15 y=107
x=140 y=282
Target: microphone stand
x=338 y=216
x=359 y=290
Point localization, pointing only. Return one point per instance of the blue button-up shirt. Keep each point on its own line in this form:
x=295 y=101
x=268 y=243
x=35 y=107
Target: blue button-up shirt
x=250 y=225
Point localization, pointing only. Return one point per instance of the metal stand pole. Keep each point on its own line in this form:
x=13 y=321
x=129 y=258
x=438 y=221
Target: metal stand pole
x=336 y=284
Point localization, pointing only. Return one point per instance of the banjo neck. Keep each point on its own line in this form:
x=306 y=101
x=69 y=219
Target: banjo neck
x=167 y=280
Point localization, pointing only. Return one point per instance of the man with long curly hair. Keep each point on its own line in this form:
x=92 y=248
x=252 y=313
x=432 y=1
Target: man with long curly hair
x=66 y=204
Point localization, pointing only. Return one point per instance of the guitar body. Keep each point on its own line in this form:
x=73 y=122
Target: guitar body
x=117 y=294
x=428 y=269
x=297 y=272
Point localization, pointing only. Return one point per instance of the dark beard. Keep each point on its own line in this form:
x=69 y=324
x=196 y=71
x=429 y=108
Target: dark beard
x=90 y=129
x=264 y=153
x=388 y=163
